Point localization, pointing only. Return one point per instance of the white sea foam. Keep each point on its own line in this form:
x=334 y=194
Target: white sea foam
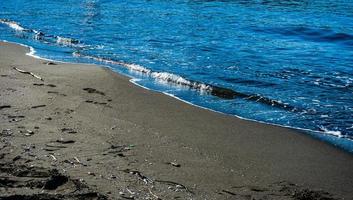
x=135 y=67
x=12 y=25
x=66 y=41
x=168 y=77
x=37 y=35
x=135 y=82
x=330 y=132
x=176 y=79
x=159 y=76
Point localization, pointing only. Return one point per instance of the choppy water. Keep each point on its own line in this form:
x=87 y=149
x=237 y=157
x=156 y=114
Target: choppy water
x=283 y=62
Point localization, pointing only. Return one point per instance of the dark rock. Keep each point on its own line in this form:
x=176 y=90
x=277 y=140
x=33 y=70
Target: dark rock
x=15 y=116
x=16 y=158
x=68 y=130
x=63 y=141
x=55 y=180
x=49 y=63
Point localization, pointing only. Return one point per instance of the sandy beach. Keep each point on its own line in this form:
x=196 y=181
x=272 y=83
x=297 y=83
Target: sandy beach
x=74 y=131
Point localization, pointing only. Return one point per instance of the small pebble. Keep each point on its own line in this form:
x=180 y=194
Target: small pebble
x=29 y=133
x=91 y=173
x=175 y=164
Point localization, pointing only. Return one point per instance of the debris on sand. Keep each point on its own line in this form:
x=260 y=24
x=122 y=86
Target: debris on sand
x=29 y=133
x=174 y=164
x=92 y=90
x=30 y=73
x=49 y=63
x=39 y=106
x=68 y=130
x=64 y=141
x=4 y=106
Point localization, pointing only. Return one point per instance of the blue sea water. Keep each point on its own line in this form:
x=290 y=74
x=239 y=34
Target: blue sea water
x=285 y=62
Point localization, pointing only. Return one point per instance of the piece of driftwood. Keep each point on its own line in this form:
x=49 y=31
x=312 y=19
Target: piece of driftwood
x=30 y=73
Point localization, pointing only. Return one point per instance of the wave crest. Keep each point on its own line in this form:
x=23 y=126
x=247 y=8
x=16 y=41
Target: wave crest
x=66 y=41
x=40 y=36
x=220 y=92
x=12 y=24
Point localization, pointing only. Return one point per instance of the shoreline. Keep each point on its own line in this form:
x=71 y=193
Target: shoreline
x=157 y=136
x=327 y=136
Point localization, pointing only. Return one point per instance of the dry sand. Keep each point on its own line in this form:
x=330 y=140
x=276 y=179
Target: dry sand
x=86 y=132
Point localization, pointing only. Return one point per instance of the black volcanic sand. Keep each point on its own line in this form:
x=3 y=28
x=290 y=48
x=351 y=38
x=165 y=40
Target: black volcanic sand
x=72 y=131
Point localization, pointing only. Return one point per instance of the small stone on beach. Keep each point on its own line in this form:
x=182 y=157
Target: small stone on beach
x=91 y=173
x=49 y=63
x=174 y=164
x=63 y=141
x=29 y=133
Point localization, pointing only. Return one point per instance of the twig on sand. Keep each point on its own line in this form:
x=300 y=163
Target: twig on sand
x=79 y=162
x=54 y=158
x=132 y=193
x=155 y=196
x=39 y=106
x=30 y=73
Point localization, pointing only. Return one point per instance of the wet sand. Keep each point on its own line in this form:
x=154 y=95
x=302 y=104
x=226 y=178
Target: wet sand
x=85 y=132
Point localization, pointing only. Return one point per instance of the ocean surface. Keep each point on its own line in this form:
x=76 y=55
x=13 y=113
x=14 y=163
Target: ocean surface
x=288 y=62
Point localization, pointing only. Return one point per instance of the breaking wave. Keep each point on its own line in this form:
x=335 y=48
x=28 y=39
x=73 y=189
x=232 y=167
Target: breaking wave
x=12 y=25
x=40 y=36
x=220 y=92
